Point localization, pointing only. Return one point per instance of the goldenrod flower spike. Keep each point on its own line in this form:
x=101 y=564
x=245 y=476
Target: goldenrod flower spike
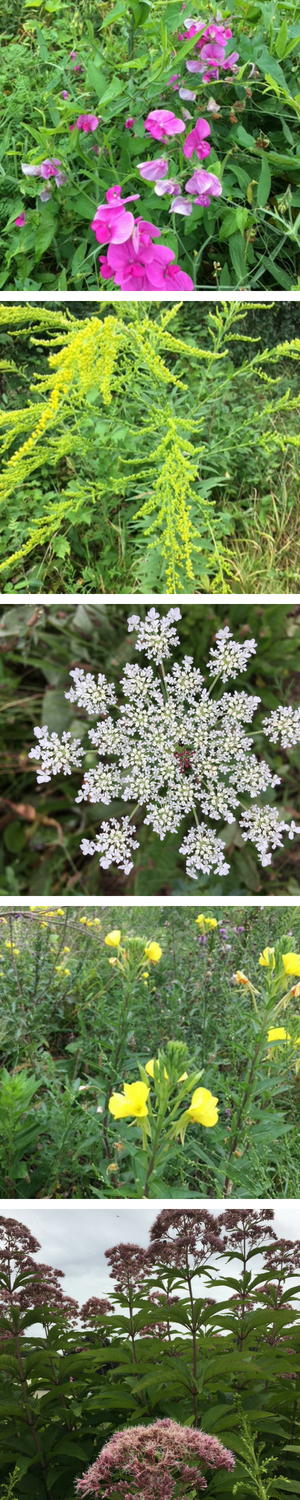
x=113 y=939
x=202 y=1109
x=153 y=953
x=267 y=959
x=132 y=1102
x=291 y=963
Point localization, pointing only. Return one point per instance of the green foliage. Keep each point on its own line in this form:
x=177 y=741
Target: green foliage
x=74 y=1026
x=248 y=238
x=133 y=451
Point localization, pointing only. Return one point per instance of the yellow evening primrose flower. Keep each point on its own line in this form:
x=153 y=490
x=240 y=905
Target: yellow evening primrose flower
x=60 y=912
x=82 y=920
x=8 y=945
x=66 y=950
x=278 y=1034
x=90 y=924
x=132 y=1102
x=291 y=963
x=145 y=974
x=97 y=922
x=267 y=958
x=202 y=1108
x=113 y=939
x=153 y=953
x=113 y=960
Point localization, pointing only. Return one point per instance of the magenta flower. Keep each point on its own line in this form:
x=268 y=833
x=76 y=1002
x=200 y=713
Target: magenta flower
x=132 y=261
x=161 y=123
x=65 y=94
x=205 y=184
x=87 y=123
x=153 y=170
x=196 y=141
x=20 y=220
x=150 y=1462
x=130 y=122
x=111 y=222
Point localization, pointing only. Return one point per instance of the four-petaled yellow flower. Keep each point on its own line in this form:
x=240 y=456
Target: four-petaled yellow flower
x=203 y=1108
x=291 y=963
x=278 y=1034
x=145 y=974
x=267 y=959
x=153 y=953
x=206 y=921
x=113 y=939
x=132 y=1102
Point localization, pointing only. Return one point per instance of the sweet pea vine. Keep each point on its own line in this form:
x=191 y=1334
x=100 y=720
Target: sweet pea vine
x=171 y=747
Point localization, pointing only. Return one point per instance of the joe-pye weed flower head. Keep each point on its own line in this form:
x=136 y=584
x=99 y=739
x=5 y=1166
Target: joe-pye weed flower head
x=173 y=748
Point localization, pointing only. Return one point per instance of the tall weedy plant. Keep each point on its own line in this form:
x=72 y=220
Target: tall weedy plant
x=130 y=421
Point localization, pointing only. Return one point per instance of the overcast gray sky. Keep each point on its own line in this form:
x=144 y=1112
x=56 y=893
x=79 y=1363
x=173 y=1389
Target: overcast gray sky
x=75 y=1236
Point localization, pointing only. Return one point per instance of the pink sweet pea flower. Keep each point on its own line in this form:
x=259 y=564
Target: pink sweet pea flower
x=179 y=205
x=20 y=220
x=138 y=265
x=130 y=122
x=205 y=184
x=186 y=94
x=161 y=123
x=87 y=123
x=29 y=170
x=153 y=170
x=168 y=186
x=196 y=141
x=111 y=222
x=65 y=95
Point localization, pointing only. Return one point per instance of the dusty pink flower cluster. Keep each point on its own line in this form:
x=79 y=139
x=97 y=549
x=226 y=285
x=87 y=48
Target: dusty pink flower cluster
x=132 y=261
x=150 y=1462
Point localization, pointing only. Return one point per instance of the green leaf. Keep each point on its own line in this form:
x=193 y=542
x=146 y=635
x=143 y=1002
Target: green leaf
x=14 y=836
x=44 y=236
x=282 y=39
x=237 y=255
x=97 y=80
x=264 y=183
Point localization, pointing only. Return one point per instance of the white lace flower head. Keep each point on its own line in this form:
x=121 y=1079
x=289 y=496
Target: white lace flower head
x=171 y=748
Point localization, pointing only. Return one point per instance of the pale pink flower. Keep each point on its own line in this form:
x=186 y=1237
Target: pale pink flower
x=153 y=170
x=205 y=184
x=168 y=186
x=179 y=205
x=196 y=140
x=162 y=123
